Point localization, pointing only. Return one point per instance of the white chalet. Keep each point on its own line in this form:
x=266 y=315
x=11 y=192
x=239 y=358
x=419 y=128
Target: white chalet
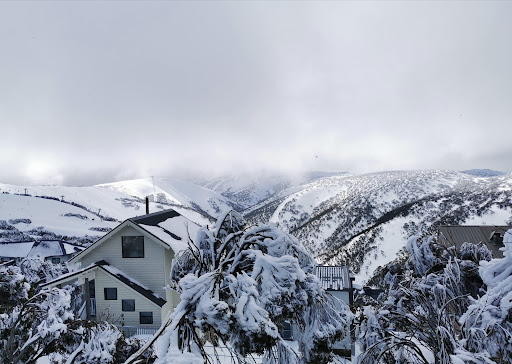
x=124 y=274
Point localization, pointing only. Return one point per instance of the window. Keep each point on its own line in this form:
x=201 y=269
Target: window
x=128 y=305
x=146 y=317
x=56 y=260
x=92 y=290
x=286 y=333
x=133 y=246
x=110 y=293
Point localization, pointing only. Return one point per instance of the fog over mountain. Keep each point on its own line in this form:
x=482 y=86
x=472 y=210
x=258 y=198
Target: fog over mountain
x=95 y=92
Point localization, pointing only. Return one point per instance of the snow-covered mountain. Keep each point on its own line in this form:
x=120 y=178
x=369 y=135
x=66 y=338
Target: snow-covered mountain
x=81 y=214
x=175 y=192
x=364 y=220
x=248 y=190
x=24 y=218
x=359 y=220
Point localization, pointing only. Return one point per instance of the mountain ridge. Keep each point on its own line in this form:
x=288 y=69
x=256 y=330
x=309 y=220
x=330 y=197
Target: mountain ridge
x=361 y=220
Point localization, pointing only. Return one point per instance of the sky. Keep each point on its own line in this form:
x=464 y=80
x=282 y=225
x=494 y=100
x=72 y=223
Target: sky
x=102 y=91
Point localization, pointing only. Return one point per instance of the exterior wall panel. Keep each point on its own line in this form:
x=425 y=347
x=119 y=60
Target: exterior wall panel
x=111 y=310
x=149 y=271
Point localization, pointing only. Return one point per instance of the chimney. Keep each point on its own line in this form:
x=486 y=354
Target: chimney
x=147 y=205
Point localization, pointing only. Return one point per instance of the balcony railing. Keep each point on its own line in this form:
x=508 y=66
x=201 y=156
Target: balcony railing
x=130 y=331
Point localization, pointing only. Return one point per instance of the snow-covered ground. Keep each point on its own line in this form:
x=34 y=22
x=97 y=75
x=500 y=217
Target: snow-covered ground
x=51 y=215
x=224 y=356
x=109 y=202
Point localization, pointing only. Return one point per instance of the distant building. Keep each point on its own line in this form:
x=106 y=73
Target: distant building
x=337 y=281
x=56 y=251
x=489 y=235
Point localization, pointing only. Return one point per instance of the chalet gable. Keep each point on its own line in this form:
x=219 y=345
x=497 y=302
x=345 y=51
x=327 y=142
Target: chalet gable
x=167 y=228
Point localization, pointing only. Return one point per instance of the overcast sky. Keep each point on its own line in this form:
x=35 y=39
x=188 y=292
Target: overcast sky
x=95 y=92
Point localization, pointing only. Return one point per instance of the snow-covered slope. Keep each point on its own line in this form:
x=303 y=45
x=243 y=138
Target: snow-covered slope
x=80 y=214
x=108 y=203
x=364 y=220
x=175 y=192
x=27 y=217
x=248 y=190
x=483 y=172
x=359 y=220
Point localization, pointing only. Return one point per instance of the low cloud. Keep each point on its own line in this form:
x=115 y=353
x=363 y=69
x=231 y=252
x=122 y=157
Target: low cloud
x=97 y=92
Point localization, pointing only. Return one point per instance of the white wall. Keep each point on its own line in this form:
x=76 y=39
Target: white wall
x=111 y=310
x=150 y=271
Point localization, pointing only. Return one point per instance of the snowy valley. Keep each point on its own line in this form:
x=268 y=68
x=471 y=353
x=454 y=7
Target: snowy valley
x=359 y=220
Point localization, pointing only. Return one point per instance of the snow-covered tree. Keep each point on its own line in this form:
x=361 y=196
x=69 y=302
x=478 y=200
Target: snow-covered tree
x=14 y=287
x=30 y=328
x=37 y=269
x=36 y=323
x=419 y=320
x=238 y=286
x=487 y=323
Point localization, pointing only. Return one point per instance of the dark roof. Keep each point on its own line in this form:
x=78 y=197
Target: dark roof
x=116 y=273
x=155 y=218
x=456 y=235
x=335 y=278
x=131 y=283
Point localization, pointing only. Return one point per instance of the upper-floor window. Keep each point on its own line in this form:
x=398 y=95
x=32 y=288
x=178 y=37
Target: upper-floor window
x=56 y=260
x=110 y=293
x=133 y=246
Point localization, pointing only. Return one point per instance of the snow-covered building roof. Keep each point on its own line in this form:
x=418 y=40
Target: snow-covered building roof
x=490 y=235
x=16 y=249
x=170 y=228
x=335 y=278
x=45 y=248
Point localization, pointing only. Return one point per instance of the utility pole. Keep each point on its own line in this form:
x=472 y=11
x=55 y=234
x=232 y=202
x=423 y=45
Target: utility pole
x=153 y=179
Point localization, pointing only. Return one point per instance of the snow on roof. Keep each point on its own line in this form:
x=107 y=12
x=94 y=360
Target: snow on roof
x=130 y=281
x=170 y=227
x=71 y=248
x=16 y=249
x=45 y=248
x=334 y=278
